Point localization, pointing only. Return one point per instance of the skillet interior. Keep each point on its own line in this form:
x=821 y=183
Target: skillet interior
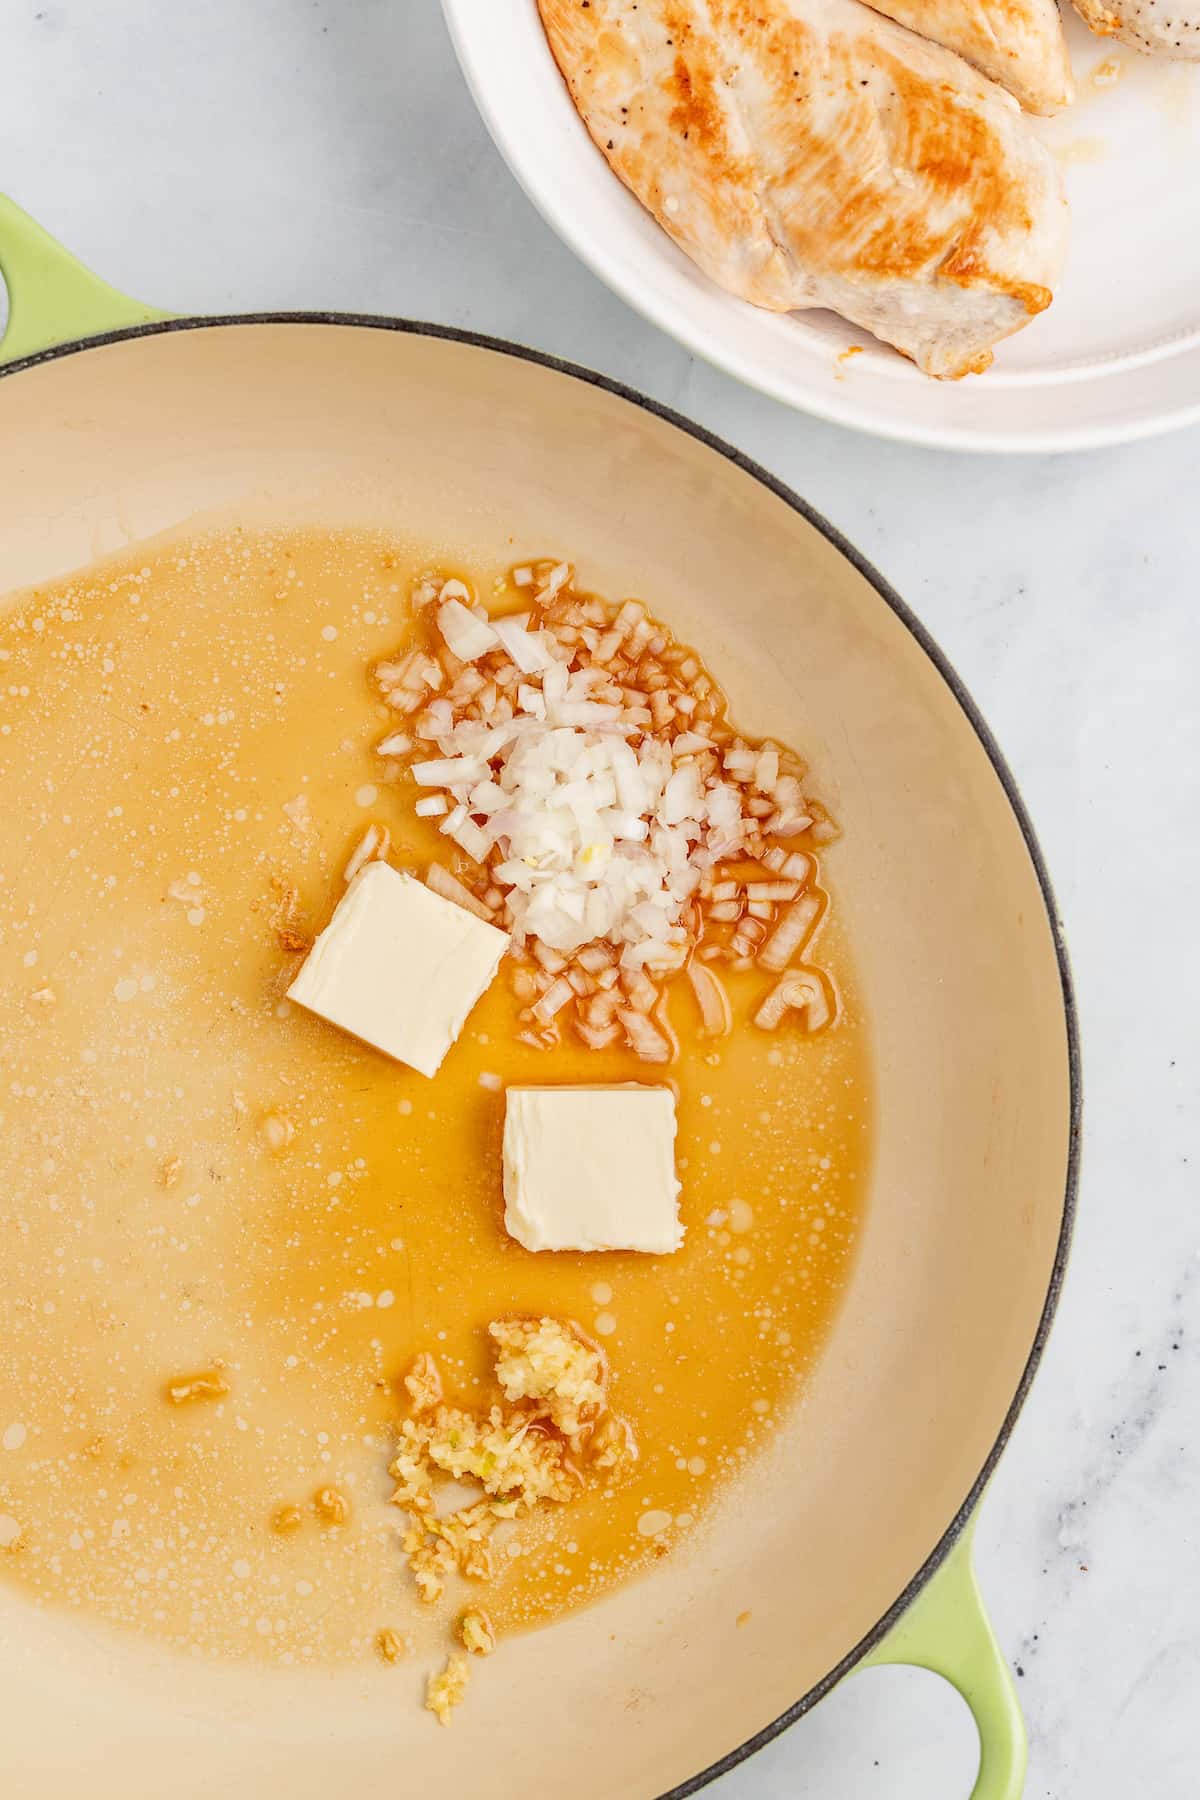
x=333 y=424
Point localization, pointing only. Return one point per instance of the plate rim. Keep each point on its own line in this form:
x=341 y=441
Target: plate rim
x=959 y=693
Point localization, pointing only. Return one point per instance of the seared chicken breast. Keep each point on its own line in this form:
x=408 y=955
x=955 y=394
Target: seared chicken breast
x=1018 y=43
x=1159 y=27
x=809 y=153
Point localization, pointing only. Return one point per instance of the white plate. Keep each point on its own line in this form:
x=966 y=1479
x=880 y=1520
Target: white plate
x=1116 y=357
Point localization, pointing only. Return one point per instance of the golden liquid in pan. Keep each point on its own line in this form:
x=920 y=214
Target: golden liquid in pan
x=159 y=719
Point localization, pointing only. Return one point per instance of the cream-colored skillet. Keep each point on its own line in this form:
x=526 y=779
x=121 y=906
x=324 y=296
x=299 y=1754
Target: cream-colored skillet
x=849 y=1542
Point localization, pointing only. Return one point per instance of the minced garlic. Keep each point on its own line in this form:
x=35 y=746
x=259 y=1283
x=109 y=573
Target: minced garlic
x=476 y=1632
x=613 y=1447
x=505 y=1453
x=207 y=1384
x=466 y=1534
x=547 y=1361
x=445 y=1691
x=555 y=1431
x=424 y=1383
x=331 y=1506
x=430 y=1558
x=390 y=1645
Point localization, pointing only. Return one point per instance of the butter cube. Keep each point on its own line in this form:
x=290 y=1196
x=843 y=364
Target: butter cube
x=591 y=1168
x=399 y=967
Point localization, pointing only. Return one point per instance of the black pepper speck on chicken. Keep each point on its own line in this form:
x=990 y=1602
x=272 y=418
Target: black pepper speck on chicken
x=1167 y=28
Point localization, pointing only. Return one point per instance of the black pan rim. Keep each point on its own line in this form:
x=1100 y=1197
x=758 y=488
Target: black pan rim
x=958 y=689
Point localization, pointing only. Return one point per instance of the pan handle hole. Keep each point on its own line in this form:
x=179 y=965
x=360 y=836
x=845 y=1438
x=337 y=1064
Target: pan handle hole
x=881 y=1733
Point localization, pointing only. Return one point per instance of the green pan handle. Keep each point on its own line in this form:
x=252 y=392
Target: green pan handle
x=52 y=298
x=946 y=1629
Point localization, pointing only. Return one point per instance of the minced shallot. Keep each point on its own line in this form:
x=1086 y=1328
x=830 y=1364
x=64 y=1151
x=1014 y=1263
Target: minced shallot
x=611 y=819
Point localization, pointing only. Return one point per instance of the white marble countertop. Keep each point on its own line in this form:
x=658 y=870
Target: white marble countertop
x=324 y=153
